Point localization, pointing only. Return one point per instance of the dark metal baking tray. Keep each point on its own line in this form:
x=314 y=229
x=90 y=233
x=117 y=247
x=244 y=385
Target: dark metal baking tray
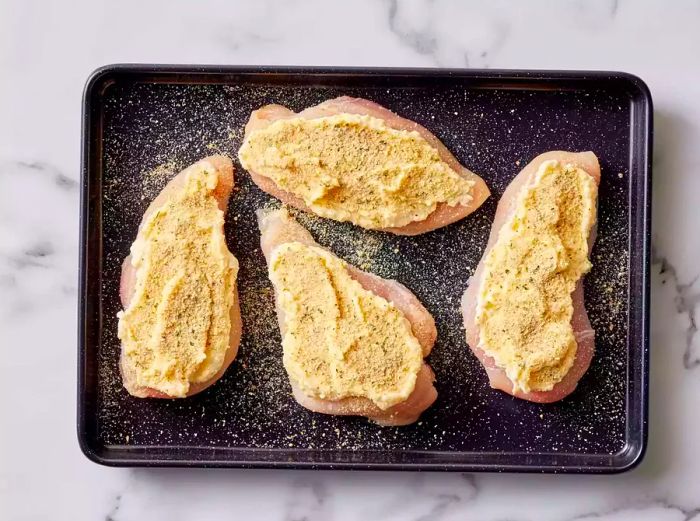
x=139 y=117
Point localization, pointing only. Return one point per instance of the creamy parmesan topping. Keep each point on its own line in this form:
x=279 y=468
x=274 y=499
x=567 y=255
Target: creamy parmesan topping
x=339 y=339
x=176 y=328
x=524 y=306
x=355 y=168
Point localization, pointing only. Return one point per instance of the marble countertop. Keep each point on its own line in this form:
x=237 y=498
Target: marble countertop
x=48 y=49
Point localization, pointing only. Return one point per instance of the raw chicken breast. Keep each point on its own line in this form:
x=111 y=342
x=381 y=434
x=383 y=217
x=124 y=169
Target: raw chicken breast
x=443 y=214
x=222 y=192
x=278 y=228
x=584 y=334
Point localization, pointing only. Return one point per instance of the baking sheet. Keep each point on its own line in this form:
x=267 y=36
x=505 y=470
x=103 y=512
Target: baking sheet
x=144 y=124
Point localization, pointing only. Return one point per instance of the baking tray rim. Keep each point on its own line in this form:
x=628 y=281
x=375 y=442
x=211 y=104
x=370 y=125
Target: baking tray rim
x=629 y=457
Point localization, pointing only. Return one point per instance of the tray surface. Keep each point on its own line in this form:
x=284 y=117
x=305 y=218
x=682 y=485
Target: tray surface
x=143 y=124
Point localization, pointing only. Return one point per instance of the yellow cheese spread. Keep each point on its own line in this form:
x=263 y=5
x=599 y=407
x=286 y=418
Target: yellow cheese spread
x=355 y=168
x=339 y=339
x=176 y=328
x=524 y=306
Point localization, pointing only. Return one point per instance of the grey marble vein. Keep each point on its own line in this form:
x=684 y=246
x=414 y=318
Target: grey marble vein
x=499 y=31
x=445 y=502
x=25 y=260
x=38 y=237
x=40 y=249
x=61 y=180
x=442 y=497
x=116 y=505
x=687 y=299
x=419 y=30
x=307 y=501
x=608 y=8
x=614 y=6
x=421 y=41
x=635 y=509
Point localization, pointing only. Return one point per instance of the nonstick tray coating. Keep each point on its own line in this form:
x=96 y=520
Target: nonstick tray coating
x=142 y=124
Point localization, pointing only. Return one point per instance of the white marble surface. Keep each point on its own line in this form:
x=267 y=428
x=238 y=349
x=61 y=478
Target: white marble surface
x=48 y=48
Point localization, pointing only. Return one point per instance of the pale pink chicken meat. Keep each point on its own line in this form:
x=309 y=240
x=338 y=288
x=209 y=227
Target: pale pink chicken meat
x=222 y=192
x=583 y=332
x=278 y=228
x=443 y=214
